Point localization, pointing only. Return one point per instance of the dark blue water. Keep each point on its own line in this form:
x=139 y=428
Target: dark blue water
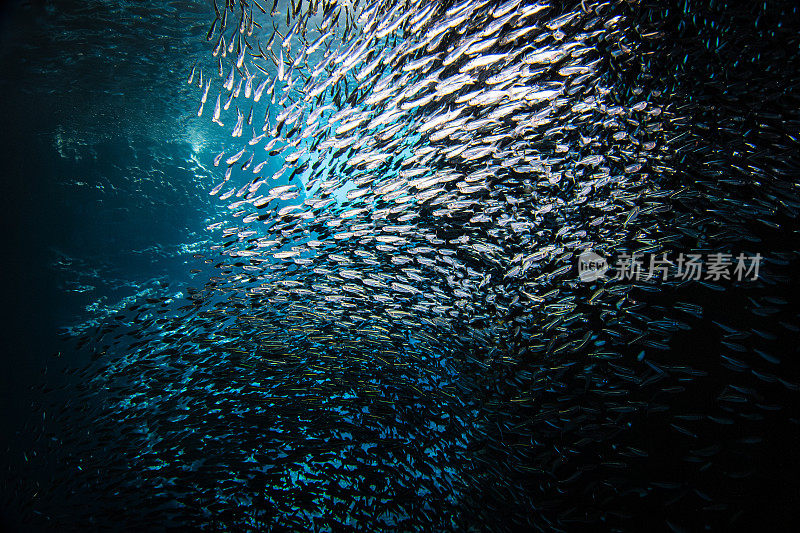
x=105 y=173
x=103 y=202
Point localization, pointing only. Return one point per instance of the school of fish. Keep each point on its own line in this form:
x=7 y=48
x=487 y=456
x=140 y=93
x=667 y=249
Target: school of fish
x=395 y=336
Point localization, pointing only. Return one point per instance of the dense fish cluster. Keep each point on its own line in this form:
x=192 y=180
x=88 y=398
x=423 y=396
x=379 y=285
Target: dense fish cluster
x=394 y=335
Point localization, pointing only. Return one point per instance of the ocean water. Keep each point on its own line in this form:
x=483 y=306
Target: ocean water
x=322 y=340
